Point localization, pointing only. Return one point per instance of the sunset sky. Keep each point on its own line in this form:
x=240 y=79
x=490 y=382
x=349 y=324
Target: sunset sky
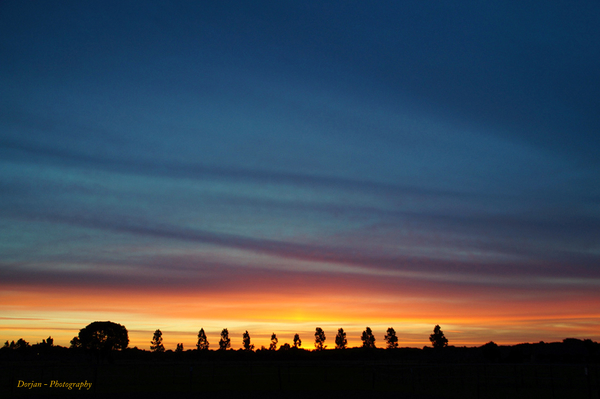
x=277 y=166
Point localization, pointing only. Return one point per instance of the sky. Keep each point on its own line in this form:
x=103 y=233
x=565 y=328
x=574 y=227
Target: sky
x=278 y=166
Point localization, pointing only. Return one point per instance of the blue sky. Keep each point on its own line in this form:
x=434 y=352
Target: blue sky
x=438 y=152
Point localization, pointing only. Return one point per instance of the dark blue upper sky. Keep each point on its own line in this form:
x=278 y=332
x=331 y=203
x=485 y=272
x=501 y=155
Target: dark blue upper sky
x=457 y=138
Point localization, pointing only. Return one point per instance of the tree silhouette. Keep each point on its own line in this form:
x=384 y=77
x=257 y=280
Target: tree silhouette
x=75 y=343
x=103 y=336
x=391 y=339
x=340 y=339
x=202 y=341
x=297 y=341
x=320 y=339
x=274 y=341
x=224 y=342
x=368 y=338
x=48 y=342
x=438 y=340
x=246 y=342
x=21 y=345
x=179 y=348
x=156 y=344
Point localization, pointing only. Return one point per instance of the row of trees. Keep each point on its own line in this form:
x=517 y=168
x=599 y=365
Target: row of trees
x=105 y=336
x=438 y=340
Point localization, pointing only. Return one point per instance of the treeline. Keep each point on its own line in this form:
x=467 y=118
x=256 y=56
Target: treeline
x=438 y=340
x=107 y=336
x=108 y=340
x=569 y=351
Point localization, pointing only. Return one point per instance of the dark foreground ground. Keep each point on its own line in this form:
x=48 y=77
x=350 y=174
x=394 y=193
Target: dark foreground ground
x=331 y=379
x=570 y=369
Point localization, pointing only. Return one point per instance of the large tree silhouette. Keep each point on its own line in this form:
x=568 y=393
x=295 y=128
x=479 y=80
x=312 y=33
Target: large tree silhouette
x=368 y=338
x=391 y=339
x=320 y=339
x=246 y=342
x=340 y=339
x=103 y=336
x=156 y=344
x=438 y=340
x=224 y=342
x=202 y=344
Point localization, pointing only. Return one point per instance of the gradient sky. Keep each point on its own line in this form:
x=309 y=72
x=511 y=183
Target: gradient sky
x=275 y=166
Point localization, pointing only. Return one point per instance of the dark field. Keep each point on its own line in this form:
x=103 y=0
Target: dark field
x=295 y=379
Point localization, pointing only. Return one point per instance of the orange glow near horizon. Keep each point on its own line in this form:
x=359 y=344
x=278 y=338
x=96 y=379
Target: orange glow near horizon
x=34 y=315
